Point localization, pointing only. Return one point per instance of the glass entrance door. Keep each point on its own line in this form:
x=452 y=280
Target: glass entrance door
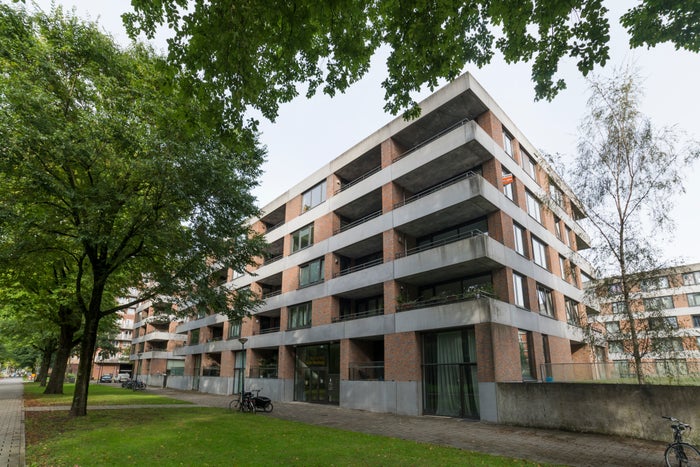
x=317 y=374
x=197 y=371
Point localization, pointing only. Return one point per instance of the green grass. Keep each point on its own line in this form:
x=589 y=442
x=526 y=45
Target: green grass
x=212 y=437
x=98 y=394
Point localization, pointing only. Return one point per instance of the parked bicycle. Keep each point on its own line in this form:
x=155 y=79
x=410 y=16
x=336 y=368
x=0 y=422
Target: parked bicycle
x=135 y=385
x=244 y=403
x=679 y=453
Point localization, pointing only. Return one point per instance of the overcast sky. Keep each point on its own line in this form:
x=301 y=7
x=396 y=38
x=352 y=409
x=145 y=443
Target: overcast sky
x=311 y=132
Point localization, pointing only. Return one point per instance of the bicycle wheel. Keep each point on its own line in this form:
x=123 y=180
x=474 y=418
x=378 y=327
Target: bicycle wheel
x=234 y=404
x=268 y=407
x=682 y=455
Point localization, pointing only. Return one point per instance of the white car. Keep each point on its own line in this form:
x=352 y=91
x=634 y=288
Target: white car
x=121 y=377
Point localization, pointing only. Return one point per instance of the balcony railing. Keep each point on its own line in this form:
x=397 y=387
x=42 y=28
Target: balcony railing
x=366 y=371
x=359 y=315
x=431 y=139
x=443 y=242
x=274 y=293
x=268 y=330
x=469 y=294
x=359 y=267
x=357 y=222
x=433 y=189
x=270 y=229
x=347 y=185
x=271 y=259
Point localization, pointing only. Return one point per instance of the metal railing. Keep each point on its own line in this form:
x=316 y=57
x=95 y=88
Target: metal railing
x=274 y=293
x=359 y=267
x=474 y=294
x=268 y=330
x=439 y=243
x=345 y=186
x=431 y=139
x=357 y=222
x=661 y=371
x=433 y=189
x=359 y=315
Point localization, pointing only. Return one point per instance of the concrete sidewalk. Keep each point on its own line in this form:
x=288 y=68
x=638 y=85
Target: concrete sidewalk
x=11 y=423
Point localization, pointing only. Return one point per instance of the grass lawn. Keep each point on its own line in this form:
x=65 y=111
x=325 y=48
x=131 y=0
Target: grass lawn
x=98 y=394
x=212 y=437
x=208 y=437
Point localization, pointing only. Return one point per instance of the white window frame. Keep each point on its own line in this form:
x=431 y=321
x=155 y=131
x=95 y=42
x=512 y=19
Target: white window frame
x=298 y=237
x=519 y=290
x=545 y=301
x=508 y=144
x=508 y=187
x=691 y=278
x=313 y=196
x=539 y=252
x=534 y=208
x=529 y=165
x=562 y=266
x=519 y=239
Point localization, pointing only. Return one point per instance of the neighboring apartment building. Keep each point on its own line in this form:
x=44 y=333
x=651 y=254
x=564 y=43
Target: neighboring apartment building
x=666 y=306
x=432 y=260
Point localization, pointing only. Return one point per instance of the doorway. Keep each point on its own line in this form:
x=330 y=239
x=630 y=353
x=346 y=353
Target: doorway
x=317 y=374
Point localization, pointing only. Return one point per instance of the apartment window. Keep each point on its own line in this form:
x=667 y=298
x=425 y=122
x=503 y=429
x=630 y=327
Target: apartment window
x=557 y=227
x=562 y=267
x=663 y=324
x=545 y=301
x=658 y=303
x=670 y=344
x=519 y=289
x=313 y=197
x=619 y=307
x=194 y=337
x=234 y=329
x=300 y=316
x=533 y=207
x=556 y=194
x=615 y=289
x=539 y=252
x=572 y=316
x=303 y=238
x=508 y=184
x=654 y=283
x=691 y=278
x=696 y=321
x=508 y=143
x=519 y=239
x=615 y=347
x=527 y=362
x=529 y=166
x=311 y=273
x=612 y=327
x=694 y=299
x=567 y=236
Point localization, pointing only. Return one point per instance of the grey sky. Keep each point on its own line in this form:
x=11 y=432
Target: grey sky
x=310 y=133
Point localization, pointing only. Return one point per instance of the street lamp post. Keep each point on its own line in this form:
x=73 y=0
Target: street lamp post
x=243 y=340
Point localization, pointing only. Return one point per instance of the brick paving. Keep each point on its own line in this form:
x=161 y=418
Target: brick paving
x=11 y=423
x=538 y=445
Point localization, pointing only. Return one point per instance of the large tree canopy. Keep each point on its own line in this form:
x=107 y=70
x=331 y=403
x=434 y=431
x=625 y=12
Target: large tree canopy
x=107 y=161
x=258 y=53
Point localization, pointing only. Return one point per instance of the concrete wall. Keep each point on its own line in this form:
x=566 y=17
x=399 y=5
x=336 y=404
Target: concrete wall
x=619 y=409
x=397 y=397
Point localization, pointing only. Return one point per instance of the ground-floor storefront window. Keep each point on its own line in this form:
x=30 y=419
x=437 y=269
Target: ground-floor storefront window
x=317 y=373
x=449 y=374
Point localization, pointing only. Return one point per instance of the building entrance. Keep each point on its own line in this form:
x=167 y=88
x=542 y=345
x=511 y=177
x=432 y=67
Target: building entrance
x=450 y=385
x=317 y=374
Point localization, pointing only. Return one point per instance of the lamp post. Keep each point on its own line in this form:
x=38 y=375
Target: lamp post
x=243 y=340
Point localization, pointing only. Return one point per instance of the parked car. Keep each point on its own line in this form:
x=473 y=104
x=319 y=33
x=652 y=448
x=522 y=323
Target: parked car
x=106 y=378
x=121 y=377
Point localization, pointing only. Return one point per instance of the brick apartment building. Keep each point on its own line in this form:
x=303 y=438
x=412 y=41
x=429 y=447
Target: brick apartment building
x=666 y=305
x=409 y=275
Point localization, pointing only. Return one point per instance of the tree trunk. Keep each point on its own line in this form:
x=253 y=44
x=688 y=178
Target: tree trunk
x=87 y=350
x=46 y=354
x=69 y=322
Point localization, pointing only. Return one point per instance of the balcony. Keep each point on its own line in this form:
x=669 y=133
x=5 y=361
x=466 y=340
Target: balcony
x=366 y=371
x=472 y=293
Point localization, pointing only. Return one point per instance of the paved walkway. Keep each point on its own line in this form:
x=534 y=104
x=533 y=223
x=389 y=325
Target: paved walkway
x=11 y=423
x=546 y=446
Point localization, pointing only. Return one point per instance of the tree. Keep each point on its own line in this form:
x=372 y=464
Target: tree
x=130 y=176
x=627 y=173
x=258 y=53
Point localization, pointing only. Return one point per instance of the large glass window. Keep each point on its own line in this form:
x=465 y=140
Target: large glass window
x=450 y=386
x=519 y=289
x=557 y=227
x=545 y=300
x=527 y=362
x=696 y=321
x=619 y=307
x=234 y=329
x=658 y=303
x=519 y=239
x=508 y=183
x=556 y=194
x=562 y=267
x=663 y=323
x=612 y=327
x=539 y=252
x=654 y=283
x=303 y=238
x=529 y=165
x=533 y=207
x=694 y=299
x=317 y=373
x=691 y=278
x=507 y=143
x=313 y=197
x=572 y=316
x=311 y=273
x=300 y=316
